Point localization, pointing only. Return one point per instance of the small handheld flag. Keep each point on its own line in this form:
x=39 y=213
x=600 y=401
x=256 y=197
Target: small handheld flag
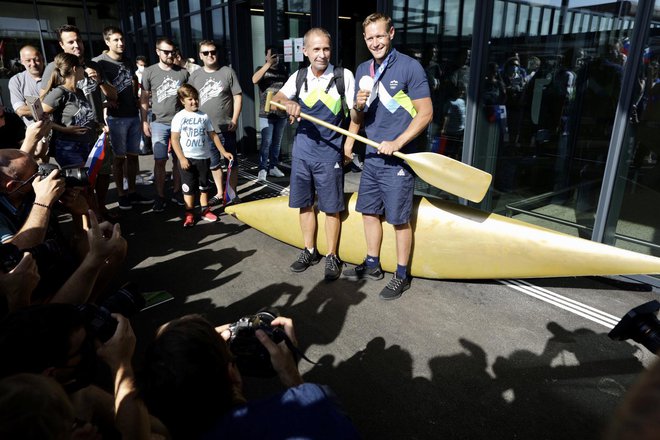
x=95 y=158
x=229 y=194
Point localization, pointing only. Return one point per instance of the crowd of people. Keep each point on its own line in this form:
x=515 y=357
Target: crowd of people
x=67 y=354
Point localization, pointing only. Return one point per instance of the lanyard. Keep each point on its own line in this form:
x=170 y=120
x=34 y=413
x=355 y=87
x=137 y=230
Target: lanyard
x=376 y=76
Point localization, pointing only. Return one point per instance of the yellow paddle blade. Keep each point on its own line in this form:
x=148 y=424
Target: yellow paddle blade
x=449 y=175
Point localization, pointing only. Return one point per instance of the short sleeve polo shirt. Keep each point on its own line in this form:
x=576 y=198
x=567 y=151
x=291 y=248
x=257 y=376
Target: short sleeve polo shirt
x=389 y=108
x=312 y=142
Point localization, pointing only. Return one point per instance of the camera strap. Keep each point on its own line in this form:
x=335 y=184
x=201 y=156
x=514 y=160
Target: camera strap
x=296 y=351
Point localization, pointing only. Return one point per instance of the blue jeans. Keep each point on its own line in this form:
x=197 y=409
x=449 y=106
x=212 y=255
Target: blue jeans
x=125 y=135
x=160 y=139
x=70 y=154
x=272 y=129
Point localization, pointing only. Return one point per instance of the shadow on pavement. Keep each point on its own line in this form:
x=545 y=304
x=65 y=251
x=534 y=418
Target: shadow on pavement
x=526 y=396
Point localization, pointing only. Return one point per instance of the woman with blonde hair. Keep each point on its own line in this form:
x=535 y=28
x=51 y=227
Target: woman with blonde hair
x=74 y=127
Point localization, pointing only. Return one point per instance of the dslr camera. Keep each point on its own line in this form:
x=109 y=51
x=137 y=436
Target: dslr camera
x=98 y=321
x=641 y=325
x=72 y=176
x=252 y=358
x=45 y=254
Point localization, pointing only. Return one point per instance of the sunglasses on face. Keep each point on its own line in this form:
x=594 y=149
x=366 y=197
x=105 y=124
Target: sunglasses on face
x=166 y=52
x=209 y=52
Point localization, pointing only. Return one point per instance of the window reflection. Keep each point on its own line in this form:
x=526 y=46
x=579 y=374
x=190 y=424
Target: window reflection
x=633 y=222
x=547 y=108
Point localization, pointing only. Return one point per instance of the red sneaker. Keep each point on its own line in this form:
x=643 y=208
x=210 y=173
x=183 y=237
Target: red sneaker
x=189 y=220
x=209 y=216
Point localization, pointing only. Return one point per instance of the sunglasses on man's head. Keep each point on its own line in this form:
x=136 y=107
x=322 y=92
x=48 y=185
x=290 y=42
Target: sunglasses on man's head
x=166 y=52
x=209 y=52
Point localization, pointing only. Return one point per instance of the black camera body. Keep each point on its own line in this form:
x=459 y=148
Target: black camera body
x=641 y=325
x=44 y=254
x=99 y=322
x=252 y=358
x=72 y=176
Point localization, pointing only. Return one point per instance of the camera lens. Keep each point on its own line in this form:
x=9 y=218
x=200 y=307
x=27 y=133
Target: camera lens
x=75 y=177
x=641 y=325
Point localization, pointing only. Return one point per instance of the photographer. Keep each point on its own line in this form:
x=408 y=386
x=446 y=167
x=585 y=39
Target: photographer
x=78 y=271
x=190 y=364
x=56 y=341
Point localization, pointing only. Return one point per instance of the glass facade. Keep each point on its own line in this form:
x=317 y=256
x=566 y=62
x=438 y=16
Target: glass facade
x=555 y=98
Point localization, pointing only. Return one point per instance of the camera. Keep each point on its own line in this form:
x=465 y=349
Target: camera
x=44 y=254
x=641 y=325
x=72 y=176
x=98 y=321
x=252 y=358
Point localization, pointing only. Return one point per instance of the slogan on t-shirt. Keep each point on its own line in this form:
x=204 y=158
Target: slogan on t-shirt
x=194 y=129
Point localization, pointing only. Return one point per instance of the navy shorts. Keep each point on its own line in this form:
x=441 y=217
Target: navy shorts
x=197 y=176
x=228 y=140
x=324 y=178
x=386 y=191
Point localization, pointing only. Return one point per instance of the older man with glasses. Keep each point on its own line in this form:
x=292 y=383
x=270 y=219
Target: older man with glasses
x=160 y=82
x=72 y=274
x=220 y=97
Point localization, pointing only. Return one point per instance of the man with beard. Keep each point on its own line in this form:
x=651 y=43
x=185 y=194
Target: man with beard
x=161 y=82
x=220 y=97
x=123 y=117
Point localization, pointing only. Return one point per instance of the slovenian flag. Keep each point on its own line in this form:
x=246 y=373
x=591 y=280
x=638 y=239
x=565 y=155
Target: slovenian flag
x=625 y=47
x=647 y=55
x=95 y=159
x=230 y=194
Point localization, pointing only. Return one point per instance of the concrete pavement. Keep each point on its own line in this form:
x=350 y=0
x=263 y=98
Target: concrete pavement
x=450 y=359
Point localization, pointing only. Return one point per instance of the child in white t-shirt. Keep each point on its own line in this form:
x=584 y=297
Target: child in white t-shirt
x=191 y=130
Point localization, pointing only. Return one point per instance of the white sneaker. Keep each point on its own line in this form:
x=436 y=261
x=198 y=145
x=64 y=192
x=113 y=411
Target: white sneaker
x=261 y=175
x=275 y=172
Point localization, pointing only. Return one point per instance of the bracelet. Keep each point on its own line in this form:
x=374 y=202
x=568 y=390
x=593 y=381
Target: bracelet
x=41 y=204
x=359 y=110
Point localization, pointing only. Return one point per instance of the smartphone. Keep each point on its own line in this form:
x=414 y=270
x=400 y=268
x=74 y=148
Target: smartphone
x=35 y=107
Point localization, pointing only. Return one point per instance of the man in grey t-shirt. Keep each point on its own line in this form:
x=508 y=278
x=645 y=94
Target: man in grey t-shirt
x=161 y=82
x=220 y=97
x=28 y=83
x=123 y=117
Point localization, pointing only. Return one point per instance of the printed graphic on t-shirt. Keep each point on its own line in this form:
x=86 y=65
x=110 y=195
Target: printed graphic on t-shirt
x=123 y=80
x=210 y=89
x=84 y=115
x=87 y=85
x=167 y=89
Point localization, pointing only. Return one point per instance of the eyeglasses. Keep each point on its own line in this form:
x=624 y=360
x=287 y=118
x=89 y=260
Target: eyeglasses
x=209 y=52
x=24 y=182
x=166 y=52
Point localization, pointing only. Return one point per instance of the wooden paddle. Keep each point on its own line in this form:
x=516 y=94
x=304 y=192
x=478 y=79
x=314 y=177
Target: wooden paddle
x=440 y=171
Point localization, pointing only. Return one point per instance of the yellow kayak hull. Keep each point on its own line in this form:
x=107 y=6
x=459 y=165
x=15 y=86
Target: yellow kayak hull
x=453 y=241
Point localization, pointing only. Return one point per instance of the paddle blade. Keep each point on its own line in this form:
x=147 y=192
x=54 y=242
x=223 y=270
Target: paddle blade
x=449 y=175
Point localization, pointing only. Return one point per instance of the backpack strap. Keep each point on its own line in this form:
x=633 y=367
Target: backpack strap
x=338 y=79
x=301 y=78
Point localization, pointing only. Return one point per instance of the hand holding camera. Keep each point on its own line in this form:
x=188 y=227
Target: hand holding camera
x=265 y=345
x=118 y=350
x=17 y=284
x=283 y=360
x=48 y=188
